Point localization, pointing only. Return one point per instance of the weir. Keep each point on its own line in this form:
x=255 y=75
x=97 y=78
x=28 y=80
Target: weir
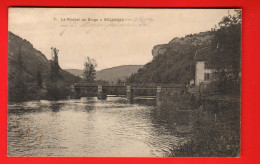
x=159 y=96
x=163 y=93
x=101 y=94
x=129 y=94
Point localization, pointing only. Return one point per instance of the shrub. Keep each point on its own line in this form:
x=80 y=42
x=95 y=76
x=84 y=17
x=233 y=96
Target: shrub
x=58 y=90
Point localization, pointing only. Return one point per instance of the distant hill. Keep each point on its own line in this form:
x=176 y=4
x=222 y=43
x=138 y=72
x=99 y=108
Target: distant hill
x=111 y=74
x=76 y=72
x=33 y=61
x=115 y=73
x=173 y=62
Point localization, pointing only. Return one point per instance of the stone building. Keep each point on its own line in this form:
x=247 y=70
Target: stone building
x=203 y=71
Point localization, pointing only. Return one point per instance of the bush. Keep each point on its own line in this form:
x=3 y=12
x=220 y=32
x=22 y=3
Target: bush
x=56 y=91
x=216 y=132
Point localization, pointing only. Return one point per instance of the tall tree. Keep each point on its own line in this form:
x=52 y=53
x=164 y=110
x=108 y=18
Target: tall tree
x=89 y=70
x=56 y=89
x=54 y=76
x=227 y=52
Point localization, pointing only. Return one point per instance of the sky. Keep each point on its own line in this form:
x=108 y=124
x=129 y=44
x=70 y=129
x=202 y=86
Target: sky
x=111 y=36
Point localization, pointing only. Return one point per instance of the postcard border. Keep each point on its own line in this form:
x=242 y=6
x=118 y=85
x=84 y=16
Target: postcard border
x=250 y=104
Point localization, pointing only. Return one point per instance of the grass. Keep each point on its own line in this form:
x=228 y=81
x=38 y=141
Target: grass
x=216 y=131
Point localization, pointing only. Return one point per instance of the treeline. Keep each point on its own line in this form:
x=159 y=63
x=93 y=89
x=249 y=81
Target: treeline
x=24 y=86
x=226 y=59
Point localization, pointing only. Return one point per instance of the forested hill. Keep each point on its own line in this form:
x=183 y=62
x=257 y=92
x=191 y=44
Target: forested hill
x=117 y=73
x=172 y=62
x=112 y=75
x=33 y=62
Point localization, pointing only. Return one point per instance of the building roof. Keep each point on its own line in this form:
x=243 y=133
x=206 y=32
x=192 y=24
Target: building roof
x=203 y=54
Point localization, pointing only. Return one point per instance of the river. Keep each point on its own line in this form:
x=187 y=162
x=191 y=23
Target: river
x=90 y=127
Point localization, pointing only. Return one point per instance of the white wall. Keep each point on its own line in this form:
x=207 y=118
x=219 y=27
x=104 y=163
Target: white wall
x=200 y=71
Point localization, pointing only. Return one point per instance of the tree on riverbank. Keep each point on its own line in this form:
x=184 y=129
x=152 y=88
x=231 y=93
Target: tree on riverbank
x=56 y=88
x=19 y=91
x=89 y=70
x=226 y=59
x=54 y=74
x=39 y=78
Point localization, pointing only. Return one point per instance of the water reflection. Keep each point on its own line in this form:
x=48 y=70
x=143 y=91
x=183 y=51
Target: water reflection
x=55 y=107
x=88 y=127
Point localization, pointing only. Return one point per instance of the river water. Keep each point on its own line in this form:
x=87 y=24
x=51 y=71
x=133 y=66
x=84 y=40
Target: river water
x=90 y=127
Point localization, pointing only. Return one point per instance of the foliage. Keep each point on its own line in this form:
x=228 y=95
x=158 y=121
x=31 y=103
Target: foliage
x=101 y=82
x=57 y=90
x=33 y=62
x=175 y=64
x=216 y=132
x=54 y=74
x=29 y=71
x=89 y=70
x=171 y=67
x=18 y=92
x=120 y=82
x=226 y=59
x=39 y=78
x=68 y=77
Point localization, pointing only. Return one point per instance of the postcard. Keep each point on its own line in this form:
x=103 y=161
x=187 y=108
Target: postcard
x=124 y=82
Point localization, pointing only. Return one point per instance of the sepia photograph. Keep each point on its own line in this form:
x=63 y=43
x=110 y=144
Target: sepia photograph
x=124 y=82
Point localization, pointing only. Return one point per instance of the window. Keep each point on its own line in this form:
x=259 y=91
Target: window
x=206 y=76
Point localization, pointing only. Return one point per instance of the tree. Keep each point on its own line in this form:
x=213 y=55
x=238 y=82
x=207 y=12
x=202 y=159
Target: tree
x=56 y=88
x=19 y=92
x=226 y=59
x=39 y=78
x=119 y=81
x=89 y=70
x=54 y=75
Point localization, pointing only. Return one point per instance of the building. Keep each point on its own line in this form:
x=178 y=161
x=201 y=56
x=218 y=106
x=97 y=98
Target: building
x=203 y=71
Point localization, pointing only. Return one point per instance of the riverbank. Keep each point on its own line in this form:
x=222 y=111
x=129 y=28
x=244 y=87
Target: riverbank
x=215 y=129
x=51 y=91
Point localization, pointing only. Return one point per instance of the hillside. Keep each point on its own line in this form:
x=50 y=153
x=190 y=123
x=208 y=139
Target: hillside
x=115 y=73
x=111 y=74
x=76 y=72
x=33 y=61
x=173 y=62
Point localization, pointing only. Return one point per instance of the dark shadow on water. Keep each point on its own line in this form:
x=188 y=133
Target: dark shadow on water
x=145 y=101
x=34 y=107
x=55 y=107
x=89 y=108
x=21 y=108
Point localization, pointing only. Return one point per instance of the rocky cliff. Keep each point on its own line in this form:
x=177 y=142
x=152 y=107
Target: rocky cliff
x=173 y=62
x=181 y=44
